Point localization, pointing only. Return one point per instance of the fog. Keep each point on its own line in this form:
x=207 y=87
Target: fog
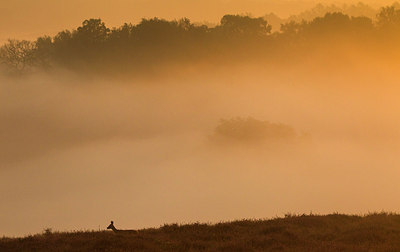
x=78 y=152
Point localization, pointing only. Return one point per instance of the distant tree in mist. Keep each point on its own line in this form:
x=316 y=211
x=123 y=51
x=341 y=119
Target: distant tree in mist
x=92 y=32
x=332 y=24
x=250 y=130
x=389 y=18
x=292 y=28
x=237 y=25
x=44 y=51
x=18 y=55
x=353 y=10
x=93 y=44
x=320 y=10
x=161 y=31
x=86 y=44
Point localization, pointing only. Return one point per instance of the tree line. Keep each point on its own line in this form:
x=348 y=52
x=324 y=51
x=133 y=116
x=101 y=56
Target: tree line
x=95 y=47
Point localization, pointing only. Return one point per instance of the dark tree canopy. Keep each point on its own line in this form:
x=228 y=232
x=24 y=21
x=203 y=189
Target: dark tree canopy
x=18 y=54
x=236 y=25
x=389 y=17
x=92 y=32
x=134 y=47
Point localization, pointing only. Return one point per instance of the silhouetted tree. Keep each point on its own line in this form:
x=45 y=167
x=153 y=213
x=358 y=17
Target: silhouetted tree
x=237 y=25
x=362 y=23
x=18 y=55
x=123 y=34
x=389 y=18
x=63 y=48
x=159 y=31
x=93 y=46
x=44 y=51
x=292 y=28
x=92 y=32
x=332 y=24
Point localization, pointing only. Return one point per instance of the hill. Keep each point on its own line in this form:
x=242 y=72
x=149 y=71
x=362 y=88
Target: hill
x=334 y=232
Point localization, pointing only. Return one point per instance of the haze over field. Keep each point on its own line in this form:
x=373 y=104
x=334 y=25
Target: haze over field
x=80 y=145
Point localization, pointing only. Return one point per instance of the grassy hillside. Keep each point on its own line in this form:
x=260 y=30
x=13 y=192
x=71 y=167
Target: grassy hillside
x=335 y=232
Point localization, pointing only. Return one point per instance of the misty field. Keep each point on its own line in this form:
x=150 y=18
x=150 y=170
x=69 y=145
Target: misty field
x=334 y=232
x=159 y=119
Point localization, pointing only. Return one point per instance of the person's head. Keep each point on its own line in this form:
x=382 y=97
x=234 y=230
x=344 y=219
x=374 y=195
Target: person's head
x=111 y=226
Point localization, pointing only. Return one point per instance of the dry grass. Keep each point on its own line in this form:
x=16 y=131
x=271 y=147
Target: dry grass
x=335 y=232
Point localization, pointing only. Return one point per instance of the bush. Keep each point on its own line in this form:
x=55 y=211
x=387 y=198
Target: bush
x=251 y=130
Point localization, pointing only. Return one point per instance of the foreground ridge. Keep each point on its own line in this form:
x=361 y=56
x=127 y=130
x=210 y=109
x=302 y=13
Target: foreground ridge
x=334 y=232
